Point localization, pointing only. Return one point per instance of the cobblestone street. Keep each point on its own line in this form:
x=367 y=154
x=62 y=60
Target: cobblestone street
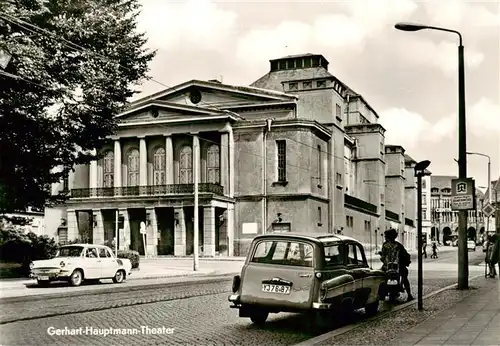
x=198 y=313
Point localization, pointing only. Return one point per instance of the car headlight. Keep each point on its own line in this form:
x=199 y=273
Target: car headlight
x=62 y=264
x=32 y=265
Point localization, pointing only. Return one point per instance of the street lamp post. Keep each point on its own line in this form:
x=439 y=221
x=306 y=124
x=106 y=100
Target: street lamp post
x=420 y=171
x=489 y=184
x=463 y=256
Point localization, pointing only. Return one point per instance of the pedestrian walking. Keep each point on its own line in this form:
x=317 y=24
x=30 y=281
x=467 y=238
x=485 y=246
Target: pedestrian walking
x=424 y=249
x=434 y=250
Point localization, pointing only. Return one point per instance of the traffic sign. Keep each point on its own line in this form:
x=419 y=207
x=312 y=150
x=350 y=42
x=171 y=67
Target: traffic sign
x=143 y=228
x=463 y=194
x=488 y=210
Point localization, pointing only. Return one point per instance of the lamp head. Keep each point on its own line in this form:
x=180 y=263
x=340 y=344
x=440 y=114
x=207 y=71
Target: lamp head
x=405 y=26
x=421 y=166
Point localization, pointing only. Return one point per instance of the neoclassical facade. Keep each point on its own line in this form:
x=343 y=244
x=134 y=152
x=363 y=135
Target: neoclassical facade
x=297 y=150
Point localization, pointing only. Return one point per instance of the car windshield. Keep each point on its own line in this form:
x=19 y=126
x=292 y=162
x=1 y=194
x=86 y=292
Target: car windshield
x=283 y=252
x=70 y=251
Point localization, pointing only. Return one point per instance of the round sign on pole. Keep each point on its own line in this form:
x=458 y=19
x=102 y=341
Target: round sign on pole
x=143 y=228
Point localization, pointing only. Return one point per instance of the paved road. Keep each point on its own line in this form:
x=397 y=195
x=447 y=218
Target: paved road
x=196 y=313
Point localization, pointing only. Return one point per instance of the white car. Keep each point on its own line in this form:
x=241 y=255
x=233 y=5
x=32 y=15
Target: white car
x=78 y=262
x=471 y=245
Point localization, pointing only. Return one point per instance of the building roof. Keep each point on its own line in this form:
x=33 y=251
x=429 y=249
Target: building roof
x=441 y=181
x=409 y=159
x=493 y=184
x=272 y=80
x=299 y=56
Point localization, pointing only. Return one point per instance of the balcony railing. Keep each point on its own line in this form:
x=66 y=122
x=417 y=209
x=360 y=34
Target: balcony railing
x=151 y=190
x=359 y=203
x=391 y=215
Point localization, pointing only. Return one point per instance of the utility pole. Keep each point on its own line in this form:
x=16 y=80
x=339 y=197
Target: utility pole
x=420 y=172
x=196 y=162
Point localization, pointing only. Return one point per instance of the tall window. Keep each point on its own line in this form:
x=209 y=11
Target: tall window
x=213 y=164
x=186 y=165
x=320 y=217
x=281 y=148
x=320 y=161
x=424 y=198
x=338 y=110
x=66 y=183
x=159 y=166
x=109 y=169
x=133 y=168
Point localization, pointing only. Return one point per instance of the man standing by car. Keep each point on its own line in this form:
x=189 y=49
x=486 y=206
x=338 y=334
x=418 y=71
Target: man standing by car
x=394 y=251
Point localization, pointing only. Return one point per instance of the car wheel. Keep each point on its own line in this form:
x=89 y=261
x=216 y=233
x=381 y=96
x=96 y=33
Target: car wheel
x=259 y=317
x=43 y=283
x=372 y=308
x=119 y=277
x=76 y=278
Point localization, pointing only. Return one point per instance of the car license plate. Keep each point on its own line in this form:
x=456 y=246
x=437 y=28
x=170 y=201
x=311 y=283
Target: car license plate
x=392 y=282
x=43 y=278
x=276 y=289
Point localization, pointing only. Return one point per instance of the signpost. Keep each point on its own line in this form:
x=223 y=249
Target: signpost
x=488 y=210
x=463 y=198
x=463 y=194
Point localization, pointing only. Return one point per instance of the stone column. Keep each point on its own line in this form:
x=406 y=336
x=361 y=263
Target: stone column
x=230 y=229
x=93 y=175
x=118 y=167
x=209 y=231
x=125 y=232
x=179 y=232
x=231 y=162
x=72 y=224
x=151 y=232
x=143 y=165
x=169 y=160
x=224 y=162
x=98 y=230
x=196 y=157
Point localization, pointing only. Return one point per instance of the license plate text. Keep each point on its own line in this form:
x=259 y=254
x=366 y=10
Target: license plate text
x=281 y=289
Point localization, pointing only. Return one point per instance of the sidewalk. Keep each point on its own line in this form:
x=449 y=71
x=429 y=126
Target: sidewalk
x=473 y=321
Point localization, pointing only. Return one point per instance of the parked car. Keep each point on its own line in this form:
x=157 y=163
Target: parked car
x=306 y=273
x=78 y=262
x=471 y=245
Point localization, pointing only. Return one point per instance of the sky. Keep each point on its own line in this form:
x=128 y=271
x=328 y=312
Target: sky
x=409 y=78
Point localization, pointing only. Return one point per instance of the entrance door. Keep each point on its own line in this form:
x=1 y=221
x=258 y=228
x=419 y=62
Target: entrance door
x=165 y=220
x=188 y=218
x=136 y=216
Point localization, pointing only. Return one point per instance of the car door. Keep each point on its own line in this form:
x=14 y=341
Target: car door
x=358 y=268
x=108 y=263
x=92 y=263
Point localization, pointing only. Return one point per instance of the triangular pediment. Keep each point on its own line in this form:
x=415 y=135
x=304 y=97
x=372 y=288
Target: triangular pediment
x=153 y=111
x=215 y=94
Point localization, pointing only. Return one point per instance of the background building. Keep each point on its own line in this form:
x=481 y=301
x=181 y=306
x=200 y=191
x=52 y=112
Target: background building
x=297 y=150
x=445 y=220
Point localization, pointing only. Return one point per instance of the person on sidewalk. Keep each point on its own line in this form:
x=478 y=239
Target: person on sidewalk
x=394 y=251
x=493 y=254
x=434 y=250
x=424 y=249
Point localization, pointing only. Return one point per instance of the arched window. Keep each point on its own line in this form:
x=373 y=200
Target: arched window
x=186 y=165
x=159 y=167
x=133 y=168
x=213 y=164
x=109 y=169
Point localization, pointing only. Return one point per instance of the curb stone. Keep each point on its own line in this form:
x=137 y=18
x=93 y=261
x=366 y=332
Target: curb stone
x=323 y=337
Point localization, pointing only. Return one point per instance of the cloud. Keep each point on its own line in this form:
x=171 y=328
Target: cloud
x=442 y=55
x=409 y=129
x=362 y=20
x=198 y=23
x=473 y=19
